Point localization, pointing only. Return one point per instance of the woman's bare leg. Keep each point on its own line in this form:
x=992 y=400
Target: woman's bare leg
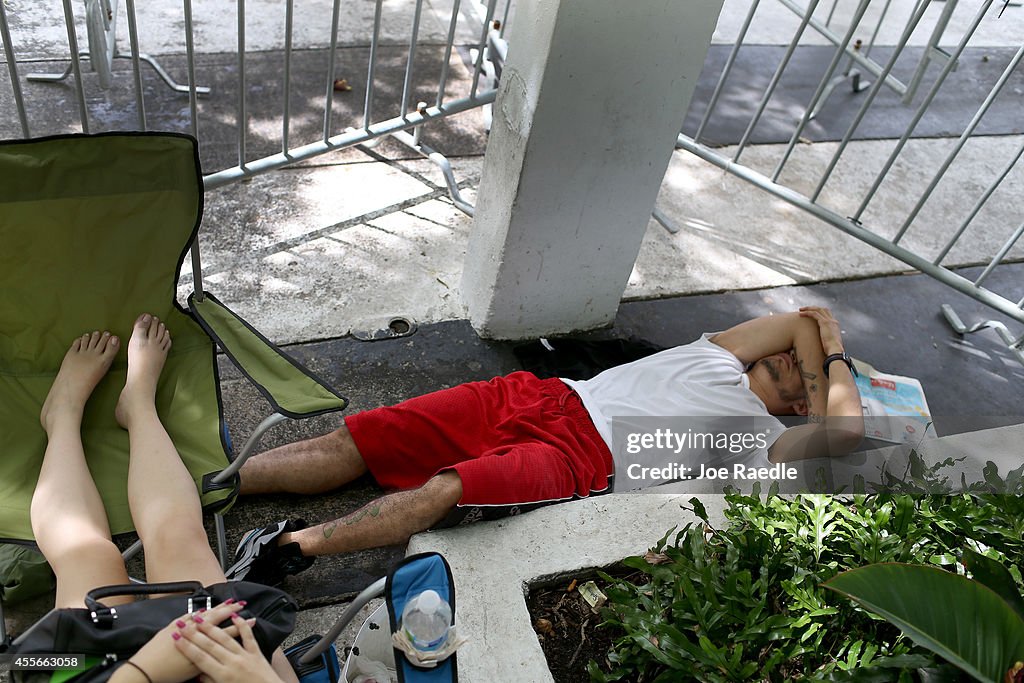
x=68 y=517
x=161 y=493
x=162 y=496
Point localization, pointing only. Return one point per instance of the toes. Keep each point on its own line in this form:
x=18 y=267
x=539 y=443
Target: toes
x=110 y=343
x=76 y=345
x=150 y=327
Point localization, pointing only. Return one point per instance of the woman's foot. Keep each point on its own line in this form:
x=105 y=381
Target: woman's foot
x=147 y=351
x=83 y=367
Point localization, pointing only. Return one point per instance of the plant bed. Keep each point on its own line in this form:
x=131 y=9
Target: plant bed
x=567 y=626
x=747 y=602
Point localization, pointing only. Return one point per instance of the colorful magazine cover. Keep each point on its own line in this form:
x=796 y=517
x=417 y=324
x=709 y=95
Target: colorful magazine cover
x=895 y=409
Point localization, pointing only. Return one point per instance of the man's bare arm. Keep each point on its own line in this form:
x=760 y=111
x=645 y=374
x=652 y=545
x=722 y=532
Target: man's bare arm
x=765 y=336
x=810 y=356
x=840 y=427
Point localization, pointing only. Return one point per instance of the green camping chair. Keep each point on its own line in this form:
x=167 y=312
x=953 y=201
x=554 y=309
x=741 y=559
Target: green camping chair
x=93 y=231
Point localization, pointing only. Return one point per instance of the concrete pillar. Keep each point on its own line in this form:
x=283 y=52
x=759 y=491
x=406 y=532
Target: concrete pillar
x=592 y=97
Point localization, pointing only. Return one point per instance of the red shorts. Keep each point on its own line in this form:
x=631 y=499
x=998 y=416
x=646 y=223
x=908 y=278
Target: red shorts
x=517 y=442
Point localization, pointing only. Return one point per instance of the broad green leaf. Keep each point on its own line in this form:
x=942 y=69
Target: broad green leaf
x=867 y=675
x=904 y=661
x=961 y=620
x=995 y=576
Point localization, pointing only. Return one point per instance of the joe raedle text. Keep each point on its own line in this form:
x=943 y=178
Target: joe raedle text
x=738 y=471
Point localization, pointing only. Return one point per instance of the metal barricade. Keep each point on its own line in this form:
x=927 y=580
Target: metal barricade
x=875 y=234
x=486 y=19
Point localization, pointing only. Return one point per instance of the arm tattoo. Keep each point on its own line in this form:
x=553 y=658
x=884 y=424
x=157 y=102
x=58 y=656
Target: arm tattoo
x=815 y=419
x=804 y=373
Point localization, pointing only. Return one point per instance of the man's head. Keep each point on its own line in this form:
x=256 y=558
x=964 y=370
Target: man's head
x=778 y=383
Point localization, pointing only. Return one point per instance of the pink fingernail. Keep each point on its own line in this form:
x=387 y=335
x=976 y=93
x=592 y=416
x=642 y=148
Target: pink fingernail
x=176 y=635
x=201 y=610
x=180 y=624
x=229 y=601
x=198 y=620
x=242 y=603
x=235 y=617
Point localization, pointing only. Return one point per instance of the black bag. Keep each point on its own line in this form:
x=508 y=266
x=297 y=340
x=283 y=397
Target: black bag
x=119 y=632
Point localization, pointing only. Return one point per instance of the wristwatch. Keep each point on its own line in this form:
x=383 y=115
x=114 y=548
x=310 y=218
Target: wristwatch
x=839 y=356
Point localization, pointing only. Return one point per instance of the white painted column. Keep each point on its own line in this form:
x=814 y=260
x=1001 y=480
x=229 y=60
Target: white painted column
x=592 y=97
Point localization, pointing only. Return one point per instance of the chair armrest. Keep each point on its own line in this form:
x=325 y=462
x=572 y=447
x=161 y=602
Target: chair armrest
x=290 y=387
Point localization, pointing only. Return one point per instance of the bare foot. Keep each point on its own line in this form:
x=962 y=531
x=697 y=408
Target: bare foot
x=83 y=367
x=147 y=351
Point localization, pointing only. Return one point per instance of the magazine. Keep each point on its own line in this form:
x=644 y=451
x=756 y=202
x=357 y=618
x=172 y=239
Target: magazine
x=895 y=409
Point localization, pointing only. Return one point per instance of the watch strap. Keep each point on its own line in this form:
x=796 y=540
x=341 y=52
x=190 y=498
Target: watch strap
x=839 y=356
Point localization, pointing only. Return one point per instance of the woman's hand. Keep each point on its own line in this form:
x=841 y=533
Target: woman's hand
x=161 y=661
x=220 y=658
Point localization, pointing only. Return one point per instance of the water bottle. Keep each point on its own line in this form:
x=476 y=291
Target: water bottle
x=426 y=620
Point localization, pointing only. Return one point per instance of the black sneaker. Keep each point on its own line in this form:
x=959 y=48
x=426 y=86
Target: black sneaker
x=260 y=559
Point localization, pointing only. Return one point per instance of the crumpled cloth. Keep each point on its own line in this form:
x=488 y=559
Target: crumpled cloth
x=371 y=671
x=428 y=659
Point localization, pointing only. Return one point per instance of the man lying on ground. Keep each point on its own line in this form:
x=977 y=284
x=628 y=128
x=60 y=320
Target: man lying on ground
x=488 y=449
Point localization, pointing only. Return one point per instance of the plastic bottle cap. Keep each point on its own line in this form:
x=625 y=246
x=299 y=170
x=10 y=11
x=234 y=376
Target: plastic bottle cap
x=428 y=601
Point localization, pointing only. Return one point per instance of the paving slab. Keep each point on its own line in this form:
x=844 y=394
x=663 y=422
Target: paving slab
x=40 y=31
x=40 y=26
x=733 y=234
x=776 y=24
x=52 y=107
x=356 y=246
x=978 y=70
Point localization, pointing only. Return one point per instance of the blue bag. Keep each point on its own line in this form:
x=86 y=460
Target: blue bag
x=409 y=578
x=323 y=669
